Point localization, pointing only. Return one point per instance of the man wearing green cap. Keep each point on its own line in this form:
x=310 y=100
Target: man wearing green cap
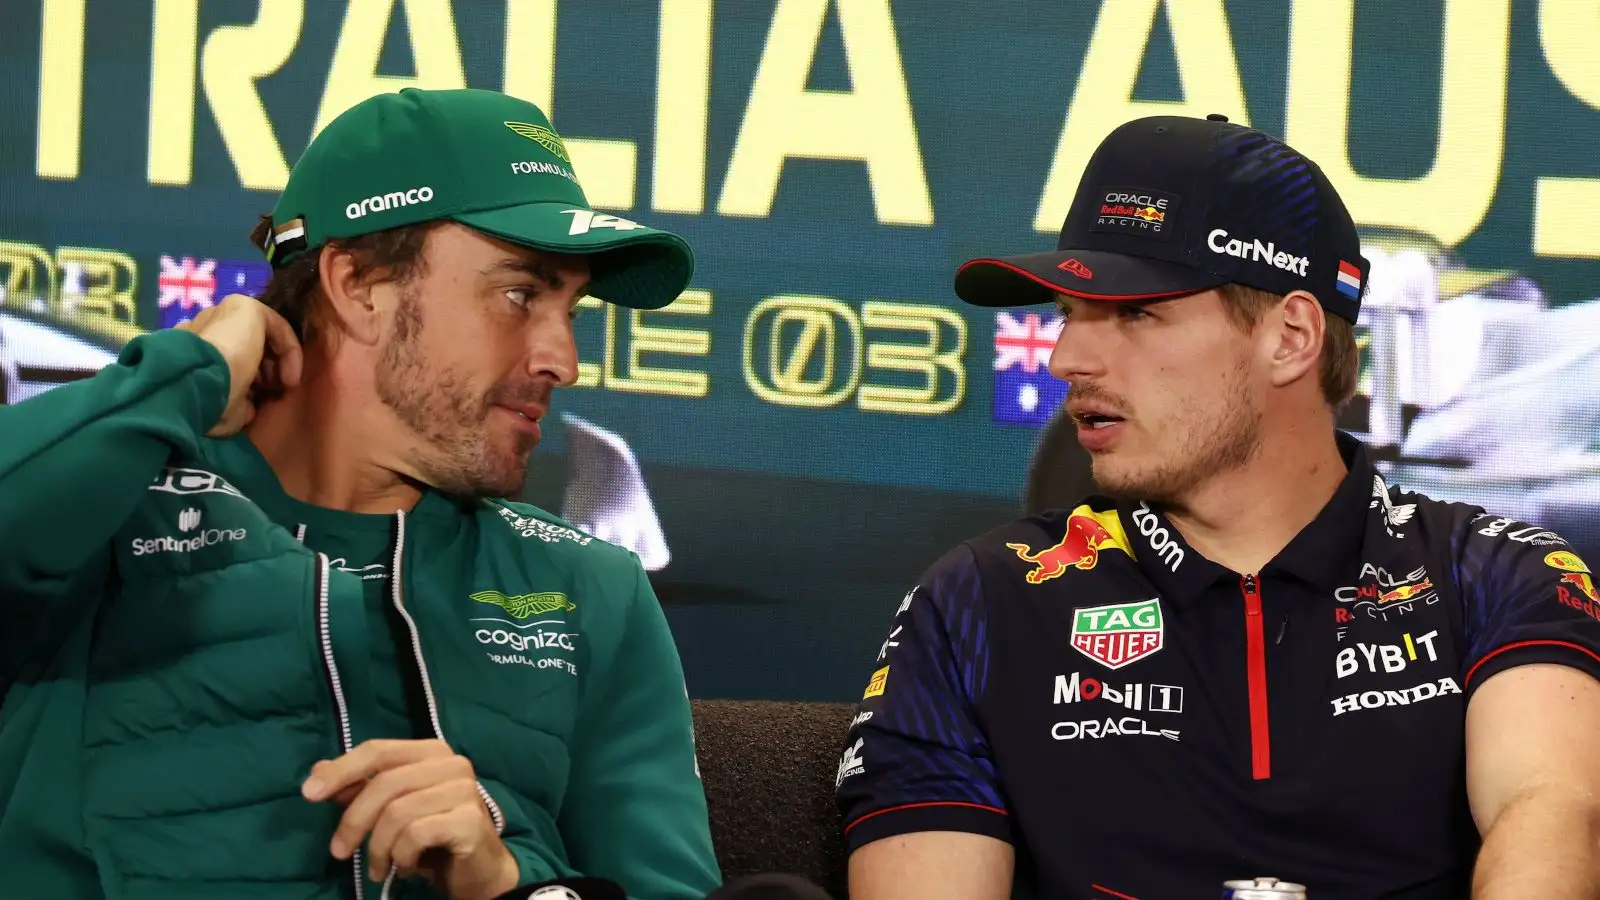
x=269 y=631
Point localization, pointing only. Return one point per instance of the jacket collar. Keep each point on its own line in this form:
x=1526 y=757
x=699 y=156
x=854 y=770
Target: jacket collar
x=242 y=462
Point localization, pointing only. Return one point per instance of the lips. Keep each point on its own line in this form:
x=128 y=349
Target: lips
x=1094 y=417
x=524 y=417
x=1100 y=427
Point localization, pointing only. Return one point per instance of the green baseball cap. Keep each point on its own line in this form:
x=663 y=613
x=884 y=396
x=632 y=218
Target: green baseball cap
x=485 y=159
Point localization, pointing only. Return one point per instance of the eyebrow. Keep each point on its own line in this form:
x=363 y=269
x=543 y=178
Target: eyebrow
x=536 y=269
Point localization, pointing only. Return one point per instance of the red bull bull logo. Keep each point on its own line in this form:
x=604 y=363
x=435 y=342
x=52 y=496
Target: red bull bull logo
x=1149 y=214
x=1578 y=574
x=1088 y=532
x=1584 y=584
x=1404 y=592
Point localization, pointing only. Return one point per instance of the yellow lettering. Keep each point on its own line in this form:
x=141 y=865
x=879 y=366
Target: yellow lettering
x=102 y=285
x=683 y=104
x=1103 y=99
x=871 y=122
x=27 y=276
x=353 y=76
x=589 y=372
x=234 y=59
x=926 y=359
x=606 y=168
x=529 y=72
x=1566 y=211
x=1449 y=201
x=802 y=331
x=656 y=339
x=61 y=89
x=174 y=48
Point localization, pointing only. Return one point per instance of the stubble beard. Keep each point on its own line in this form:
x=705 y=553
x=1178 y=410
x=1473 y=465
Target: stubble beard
x=454 y=453
x=1207 y=445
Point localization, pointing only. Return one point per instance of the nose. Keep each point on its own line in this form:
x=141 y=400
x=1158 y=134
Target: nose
x=1077 y=354
x=553 y=348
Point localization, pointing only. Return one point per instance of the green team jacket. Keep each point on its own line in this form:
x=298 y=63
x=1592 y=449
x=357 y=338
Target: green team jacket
x=174 y=661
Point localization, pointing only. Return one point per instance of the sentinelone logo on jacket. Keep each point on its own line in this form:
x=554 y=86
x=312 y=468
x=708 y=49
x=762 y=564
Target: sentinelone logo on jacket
x=173 y=480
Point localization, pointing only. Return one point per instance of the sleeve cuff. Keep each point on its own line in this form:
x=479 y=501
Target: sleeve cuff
x=1522 y=653
x=531 y=866
x=911 y=818
x=186 y=351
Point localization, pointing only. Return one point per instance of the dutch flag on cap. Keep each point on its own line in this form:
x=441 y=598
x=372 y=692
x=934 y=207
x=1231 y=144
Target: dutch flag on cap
x=1349 y=283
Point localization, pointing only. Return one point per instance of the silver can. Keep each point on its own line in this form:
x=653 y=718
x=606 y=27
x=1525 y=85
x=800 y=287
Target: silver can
x=1262 y=889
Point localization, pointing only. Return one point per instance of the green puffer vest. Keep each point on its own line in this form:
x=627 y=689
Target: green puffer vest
x=156 y=750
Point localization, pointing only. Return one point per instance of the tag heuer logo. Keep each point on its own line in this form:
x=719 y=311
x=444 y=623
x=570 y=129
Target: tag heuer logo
x=1116 y=635
x=542 y=136
x=525 y=605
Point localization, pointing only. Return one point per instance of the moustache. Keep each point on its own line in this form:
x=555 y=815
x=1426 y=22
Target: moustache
x=522 y=394
x=1089 y=392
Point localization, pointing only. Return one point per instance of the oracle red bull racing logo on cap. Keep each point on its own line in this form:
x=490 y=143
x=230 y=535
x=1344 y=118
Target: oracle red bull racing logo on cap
x=1134 y=211
x=1119 y=634
x=1088 y=532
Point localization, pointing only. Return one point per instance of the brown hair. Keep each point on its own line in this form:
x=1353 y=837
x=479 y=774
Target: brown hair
x=1341 y=357
x=295 y=292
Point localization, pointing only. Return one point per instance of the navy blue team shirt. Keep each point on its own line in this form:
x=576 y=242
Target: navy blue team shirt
x=1140 y=722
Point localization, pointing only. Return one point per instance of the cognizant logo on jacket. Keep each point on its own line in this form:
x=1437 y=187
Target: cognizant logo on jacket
x=546 y=632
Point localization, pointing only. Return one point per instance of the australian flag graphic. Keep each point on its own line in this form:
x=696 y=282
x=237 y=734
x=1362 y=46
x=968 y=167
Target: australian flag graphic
x=189 y=285
x=1025 y=393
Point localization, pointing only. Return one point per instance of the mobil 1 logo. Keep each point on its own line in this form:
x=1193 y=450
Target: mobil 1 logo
x=1075 y=688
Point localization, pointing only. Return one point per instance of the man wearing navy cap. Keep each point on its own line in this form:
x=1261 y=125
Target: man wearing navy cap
x=1250 y=655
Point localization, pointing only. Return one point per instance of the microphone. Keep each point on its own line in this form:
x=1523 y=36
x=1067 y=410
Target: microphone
x=567 y=889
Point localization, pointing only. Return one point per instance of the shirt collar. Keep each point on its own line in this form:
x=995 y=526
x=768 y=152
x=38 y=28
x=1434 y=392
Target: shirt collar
x=243 y=462
x=1317 y=555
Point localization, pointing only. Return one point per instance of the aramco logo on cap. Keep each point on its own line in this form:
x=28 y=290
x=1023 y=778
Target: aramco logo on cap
x=542 y=136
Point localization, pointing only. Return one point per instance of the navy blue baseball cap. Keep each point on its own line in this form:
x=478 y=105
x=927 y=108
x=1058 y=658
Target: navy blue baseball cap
x=1171 y=205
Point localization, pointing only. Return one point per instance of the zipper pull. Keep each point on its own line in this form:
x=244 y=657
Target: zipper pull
x=1249 y=584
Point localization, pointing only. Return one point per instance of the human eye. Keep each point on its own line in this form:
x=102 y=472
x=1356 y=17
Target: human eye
x=521 y=295
x=1132 y=311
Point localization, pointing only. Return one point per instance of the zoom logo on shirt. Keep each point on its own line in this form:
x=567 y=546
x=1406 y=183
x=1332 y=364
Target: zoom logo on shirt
x=1161 y=541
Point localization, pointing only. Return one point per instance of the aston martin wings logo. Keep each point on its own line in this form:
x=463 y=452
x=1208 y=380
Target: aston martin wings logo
x=542 y=136
x=524 y=605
